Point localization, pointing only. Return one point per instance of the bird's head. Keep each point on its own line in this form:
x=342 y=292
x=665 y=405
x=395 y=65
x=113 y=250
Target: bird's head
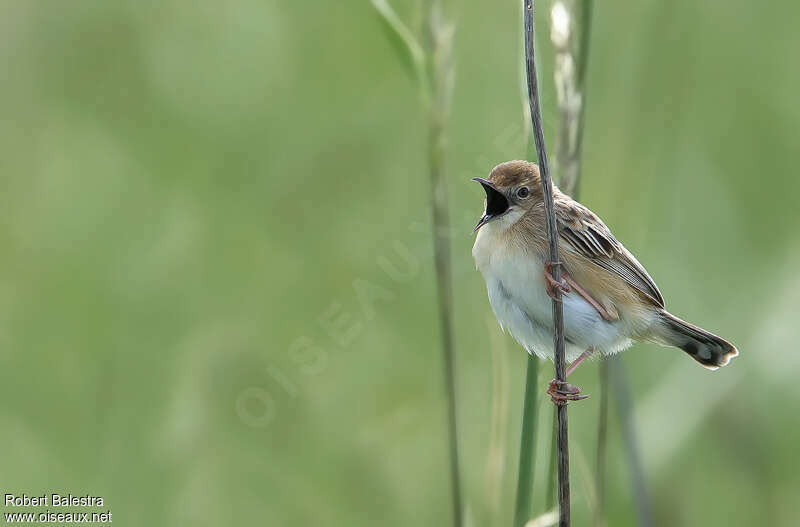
x=512 y=189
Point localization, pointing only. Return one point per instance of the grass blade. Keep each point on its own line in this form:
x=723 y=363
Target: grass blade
x=527 y=446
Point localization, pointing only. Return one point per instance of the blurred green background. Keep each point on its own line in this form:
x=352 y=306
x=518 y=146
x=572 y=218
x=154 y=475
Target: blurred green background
x=216 y=287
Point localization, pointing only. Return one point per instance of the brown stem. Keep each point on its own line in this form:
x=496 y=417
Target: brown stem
x=558 y=313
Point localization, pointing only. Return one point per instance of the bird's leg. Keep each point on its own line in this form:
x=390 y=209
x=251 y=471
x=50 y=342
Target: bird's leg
x=551 y=282
x=607 y=315
x=561 y=392
x=577 y=362
x=568 y=284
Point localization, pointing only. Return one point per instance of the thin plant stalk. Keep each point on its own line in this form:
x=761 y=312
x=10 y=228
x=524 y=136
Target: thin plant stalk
x=550 y=496
x=570 y=33
x=613 y=375
x=433 y=67
x=570 y=77
x=444 y=284
x=602 y=442
x=495 y=462
x=441 y=74
x=558 y=312
x=618 y=378
x=527 y=448
x=523 y=508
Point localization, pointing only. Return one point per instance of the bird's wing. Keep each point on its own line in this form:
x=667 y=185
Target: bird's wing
x=589 y=236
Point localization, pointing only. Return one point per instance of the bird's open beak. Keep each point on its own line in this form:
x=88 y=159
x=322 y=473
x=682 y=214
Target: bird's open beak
x=496 y=203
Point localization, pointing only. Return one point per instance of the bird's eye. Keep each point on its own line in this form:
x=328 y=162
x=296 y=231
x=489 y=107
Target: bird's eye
x=523 y=192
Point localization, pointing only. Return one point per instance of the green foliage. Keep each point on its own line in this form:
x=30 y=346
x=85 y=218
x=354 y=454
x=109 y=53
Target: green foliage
x=410 y=51
x=200 y=199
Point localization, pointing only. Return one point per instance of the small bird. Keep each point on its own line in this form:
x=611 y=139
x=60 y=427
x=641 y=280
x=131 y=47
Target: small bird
x=609 y=300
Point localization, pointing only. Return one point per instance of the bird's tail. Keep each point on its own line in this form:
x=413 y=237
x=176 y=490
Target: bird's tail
x=706 y=348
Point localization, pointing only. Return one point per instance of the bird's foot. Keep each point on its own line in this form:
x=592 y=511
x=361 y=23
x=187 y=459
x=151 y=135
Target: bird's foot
x=563 y=286
x=561 y=392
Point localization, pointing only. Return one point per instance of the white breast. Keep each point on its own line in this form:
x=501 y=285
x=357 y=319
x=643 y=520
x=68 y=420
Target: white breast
x=518 y=296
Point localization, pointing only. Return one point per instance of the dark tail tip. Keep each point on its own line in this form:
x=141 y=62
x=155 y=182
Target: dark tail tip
x=706 y=348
